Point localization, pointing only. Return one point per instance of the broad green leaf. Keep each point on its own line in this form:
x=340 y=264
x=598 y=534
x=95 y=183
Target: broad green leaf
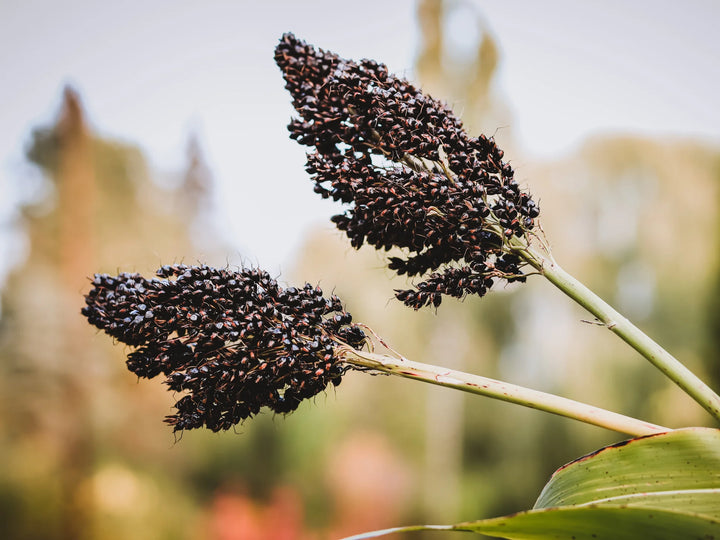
x=598 y=523
x=584 y=523
x=660 y=487
x=678 y=470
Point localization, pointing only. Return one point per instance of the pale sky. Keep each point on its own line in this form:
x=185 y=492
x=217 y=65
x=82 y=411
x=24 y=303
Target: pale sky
x=152 y=72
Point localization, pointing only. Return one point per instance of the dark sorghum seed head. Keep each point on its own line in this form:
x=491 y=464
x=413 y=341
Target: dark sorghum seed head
x=232 y=342
x=410 y=175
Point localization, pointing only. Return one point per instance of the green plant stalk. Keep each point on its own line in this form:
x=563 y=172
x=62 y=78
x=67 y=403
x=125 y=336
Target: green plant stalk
x=503 y=391
x=628 y=332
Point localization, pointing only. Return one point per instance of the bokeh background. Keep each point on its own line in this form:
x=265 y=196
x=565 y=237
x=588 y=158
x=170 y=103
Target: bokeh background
x=138 y=134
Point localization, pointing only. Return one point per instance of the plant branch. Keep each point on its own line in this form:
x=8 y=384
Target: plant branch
x=503 y=391
x=628 y=332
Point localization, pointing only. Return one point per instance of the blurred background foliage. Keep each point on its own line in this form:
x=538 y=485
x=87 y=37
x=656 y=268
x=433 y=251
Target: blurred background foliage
x=84 y=451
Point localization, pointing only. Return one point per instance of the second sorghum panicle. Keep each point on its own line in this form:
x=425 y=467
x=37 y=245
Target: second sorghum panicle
x=411 y=176
x=232 y=342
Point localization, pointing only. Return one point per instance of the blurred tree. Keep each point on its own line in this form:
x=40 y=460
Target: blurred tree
x=63 y=255
x=619 y=211
x=458 y=60
x=66 y=402
x=713 y=306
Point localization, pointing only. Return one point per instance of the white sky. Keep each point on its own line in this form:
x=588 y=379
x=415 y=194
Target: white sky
x=152 y=72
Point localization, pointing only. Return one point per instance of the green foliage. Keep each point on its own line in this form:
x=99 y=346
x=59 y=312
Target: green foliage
x=676 y=470
x=599 y=523
x=662 y=487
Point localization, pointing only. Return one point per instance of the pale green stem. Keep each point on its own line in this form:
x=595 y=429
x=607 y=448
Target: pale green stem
x=503 y=391
x=411 y=528
x=628 y=332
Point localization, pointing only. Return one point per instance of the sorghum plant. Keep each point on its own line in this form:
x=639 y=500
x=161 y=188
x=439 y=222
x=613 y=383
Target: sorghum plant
x=412 y=178
x=413 y=181
x=233 y=342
